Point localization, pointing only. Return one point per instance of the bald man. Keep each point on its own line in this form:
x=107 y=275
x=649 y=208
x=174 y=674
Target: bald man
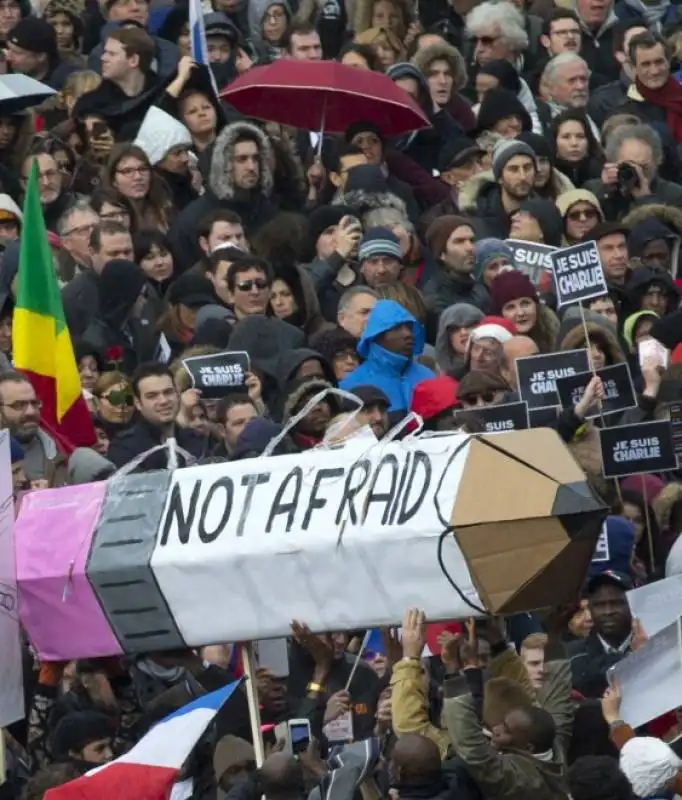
x=516 y=347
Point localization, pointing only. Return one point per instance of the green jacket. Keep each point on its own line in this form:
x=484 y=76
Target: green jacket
x=508 y=775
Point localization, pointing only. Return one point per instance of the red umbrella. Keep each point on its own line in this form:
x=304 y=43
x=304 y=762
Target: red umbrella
x=324 y=95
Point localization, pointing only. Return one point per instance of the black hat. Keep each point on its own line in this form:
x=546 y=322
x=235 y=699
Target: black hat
x=498 y=104
x=603 y=229
x=371 y=396
x=325 y=217
x=76 y=729
x=191 y=290
x=456 y=152
x=361 y=127
x=611 y=578
x=35 y=35
x=539 y=143
x=505 y=73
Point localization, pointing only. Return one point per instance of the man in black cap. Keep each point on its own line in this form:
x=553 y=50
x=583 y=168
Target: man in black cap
x=32 y=51
x=458 y=161
x=374 y=410
x=612 y=637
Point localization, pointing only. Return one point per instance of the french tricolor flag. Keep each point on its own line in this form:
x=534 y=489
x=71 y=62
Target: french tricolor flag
x=149 y=770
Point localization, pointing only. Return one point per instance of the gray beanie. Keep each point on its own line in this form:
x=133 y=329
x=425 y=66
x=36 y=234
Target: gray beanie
x=507 y=150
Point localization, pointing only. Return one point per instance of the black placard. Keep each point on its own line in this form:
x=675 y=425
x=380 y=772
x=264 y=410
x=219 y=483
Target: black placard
x=531 y=258
x=536 y=376
x=500 y=418
x=638 y=448
x=676 y=424
x=543 y=417
x=619 y=393
x=578 y=273
x=219 y=374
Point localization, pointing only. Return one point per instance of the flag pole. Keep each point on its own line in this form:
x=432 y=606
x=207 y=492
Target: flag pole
x=252 y=699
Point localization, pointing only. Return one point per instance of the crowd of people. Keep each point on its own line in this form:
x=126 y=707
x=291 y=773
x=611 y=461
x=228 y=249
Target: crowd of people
x=376 y=264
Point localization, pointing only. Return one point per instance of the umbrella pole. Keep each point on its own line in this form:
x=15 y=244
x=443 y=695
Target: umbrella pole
x=322 y=124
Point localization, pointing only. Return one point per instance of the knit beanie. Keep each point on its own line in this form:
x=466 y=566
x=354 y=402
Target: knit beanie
x=440 y=230
x=539 y=143
x=499 y=104
x=506 y=150
x=503 y=70
x=497 y=328
x=322 y=218
x=649 y=764
x=548 y=217
x=191 y=290
x=332 y=342
x=379 y=242
x=363 y=126
x=488 y=250
x=511 y=285
x=76 y=729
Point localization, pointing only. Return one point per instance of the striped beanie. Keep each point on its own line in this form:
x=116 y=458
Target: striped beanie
x=379 y=242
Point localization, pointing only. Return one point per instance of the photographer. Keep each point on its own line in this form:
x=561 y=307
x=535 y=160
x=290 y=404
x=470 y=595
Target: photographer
x=630 y=176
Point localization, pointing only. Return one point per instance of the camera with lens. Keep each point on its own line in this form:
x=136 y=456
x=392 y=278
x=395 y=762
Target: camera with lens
x=627 y=179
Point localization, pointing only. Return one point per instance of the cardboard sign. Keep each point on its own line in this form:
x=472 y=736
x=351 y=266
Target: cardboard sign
x=219 y=374
x=652 y=348
x=532 y=259
x=676 y=425
x=619 y=393
x=504 y=417
x=650 y=679
x=578 y=274
x=657 y=605
x=638 y=448
x=601 y=551
x=536 y=376
x=543 y=417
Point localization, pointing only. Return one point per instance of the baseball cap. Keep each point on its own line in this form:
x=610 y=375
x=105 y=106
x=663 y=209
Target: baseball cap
x=612 y=578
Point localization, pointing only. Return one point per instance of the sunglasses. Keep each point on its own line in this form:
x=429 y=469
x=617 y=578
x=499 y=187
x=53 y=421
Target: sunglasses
x=486 y=41
x=119 y=397
x=586 y=214
x=259 y=283
x=472 y=399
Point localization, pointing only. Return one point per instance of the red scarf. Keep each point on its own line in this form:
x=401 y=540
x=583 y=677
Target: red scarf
x=670 y=98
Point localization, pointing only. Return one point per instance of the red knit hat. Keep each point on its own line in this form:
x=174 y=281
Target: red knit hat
x=434 y=395
x=497 y=328
x=511 y=285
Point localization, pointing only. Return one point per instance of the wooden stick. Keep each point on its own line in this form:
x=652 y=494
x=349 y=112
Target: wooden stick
x=647 y=520
x=252 y=698
x=358 y=656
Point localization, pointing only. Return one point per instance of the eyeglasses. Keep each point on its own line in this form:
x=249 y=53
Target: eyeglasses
x=486 y=41
x=80 y=229
x=472 y=399
x=128 y=172
x=48 y=175
x=23 y=405
x=587 y=214
x=248 y=285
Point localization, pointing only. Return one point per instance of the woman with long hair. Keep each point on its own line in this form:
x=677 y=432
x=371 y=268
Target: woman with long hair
x=129 y=172
x=577 y=154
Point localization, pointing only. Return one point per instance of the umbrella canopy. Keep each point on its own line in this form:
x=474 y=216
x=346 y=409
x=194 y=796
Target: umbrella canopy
x=18 y=92
x=324 y=95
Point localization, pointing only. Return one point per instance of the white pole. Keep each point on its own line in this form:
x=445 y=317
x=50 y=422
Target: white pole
x=252 y=698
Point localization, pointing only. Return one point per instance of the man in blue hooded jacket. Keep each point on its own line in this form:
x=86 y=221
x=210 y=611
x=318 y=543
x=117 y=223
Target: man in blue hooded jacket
x=392 y=340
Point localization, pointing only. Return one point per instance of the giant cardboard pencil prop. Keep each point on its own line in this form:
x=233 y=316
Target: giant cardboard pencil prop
x=234 y=552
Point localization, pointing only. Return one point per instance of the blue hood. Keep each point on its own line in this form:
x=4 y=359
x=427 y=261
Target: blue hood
x=385 y=315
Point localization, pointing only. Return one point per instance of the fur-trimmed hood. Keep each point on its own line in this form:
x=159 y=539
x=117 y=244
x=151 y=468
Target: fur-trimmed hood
x=668 y=215
x=572 y=335
x=423 y=58
x=467 y=199
x=221 y=175
x=364 y=201
x=663 y=504
x=304 y=387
